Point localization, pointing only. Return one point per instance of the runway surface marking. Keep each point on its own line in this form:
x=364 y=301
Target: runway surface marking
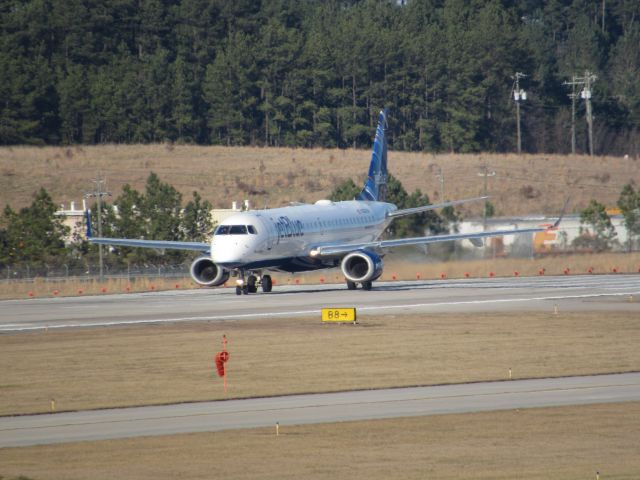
x=317 y=408
x=524 y=294
x=504 y=300
x=18 y=327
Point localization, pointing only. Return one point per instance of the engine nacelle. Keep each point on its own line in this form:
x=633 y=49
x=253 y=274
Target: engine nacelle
x=207 y=273
x=362 y=266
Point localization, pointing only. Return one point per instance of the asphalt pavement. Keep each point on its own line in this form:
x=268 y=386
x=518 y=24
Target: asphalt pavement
x=567 y=293
x=319 y=408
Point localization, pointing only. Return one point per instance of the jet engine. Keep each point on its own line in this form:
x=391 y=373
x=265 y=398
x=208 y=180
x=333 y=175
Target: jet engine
x=362 y=266
x=207 y=273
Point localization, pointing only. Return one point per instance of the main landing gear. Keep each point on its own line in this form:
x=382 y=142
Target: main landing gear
x=252 y=283
x=353 y=285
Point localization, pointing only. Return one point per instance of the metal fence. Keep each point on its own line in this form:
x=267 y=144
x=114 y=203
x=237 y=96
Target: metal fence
x=64 y=273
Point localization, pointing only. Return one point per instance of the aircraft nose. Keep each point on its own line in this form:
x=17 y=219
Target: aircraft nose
x=230 y=250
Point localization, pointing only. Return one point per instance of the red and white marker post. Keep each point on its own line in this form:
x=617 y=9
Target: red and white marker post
x=222 y=358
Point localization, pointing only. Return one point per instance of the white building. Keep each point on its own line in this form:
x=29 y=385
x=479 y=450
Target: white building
x=559 y=239
x=73 y=217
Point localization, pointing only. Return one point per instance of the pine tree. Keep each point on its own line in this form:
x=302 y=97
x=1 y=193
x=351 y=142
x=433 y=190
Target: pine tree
x=196 y=220
x=596 y=230
x=34 y=235
x=629 y=205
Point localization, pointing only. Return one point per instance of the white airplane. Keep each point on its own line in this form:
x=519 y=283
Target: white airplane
x=308 y=237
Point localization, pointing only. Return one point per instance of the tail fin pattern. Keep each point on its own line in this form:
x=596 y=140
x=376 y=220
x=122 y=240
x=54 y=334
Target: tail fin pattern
x=375 y=188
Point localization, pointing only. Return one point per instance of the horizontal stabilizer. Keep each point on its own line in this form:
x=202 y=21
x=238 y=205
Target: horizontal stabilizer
x=425 y=208
x=476 y=242
x=564 y=208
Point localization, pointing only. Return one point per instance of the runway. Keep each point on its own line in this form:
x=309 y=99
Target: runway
x=319 y=408
x=604 y=293
x=568 y=293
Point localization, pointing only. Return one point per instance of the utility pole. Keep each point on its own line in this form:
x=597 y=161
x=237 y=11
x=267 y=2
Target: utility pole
x=586 y=83
x=98 y=193
x=518 y=95
x=589 y=78
x=573 y=97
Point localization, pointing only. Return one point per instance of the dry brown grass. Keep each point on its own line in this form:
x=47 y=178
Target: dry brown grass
x=174 y=363
x=507 y=267
x=396 y=267
x=569 y=443
x=273 y=176
x=66 y=288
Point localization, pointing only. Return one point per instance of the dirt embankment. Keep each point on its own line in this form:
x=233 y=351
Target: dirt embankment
x=522 y=184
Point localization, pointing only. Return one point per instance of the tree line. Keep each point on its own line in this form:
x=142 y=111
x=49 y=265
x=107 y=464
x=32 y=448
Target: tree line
x=36 y=238
x=314 y=73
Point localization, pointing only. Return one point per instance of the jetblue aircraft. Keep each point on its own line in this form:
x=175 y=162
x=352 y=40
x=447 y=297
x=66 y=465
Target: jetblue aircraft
x=307 y=237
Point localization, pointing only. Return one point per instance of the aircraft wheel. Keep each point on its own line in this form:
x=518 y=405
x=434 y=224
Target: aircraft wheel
x=251 y=284
x=267 y=283
x=238 y=290
x=351 y=285
x=367 y=285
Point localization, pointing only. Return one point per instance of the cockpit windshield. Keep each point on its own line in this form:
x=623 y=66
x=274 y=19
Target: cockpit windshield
x=235 y=230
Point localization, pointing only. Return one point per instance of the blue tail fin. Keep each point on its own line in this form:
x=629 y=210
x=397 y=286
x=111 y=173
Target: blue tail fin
x=375 y=188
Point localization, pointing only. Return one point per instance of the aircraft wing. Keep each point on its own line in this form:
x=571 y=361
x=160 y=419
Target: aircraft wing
x=330 y=250
x=133 y=242
x=157 y=244
x=410 y=211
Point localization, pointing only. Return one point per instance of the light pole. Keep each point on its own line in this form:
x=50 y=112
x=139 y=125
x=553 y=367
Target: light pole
x=485 y=173
x=98 y=193
x=439 y=176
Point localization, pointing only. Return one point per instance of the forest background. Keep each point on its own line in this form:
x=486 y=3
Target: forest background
x=304 y=73
x=314 y=73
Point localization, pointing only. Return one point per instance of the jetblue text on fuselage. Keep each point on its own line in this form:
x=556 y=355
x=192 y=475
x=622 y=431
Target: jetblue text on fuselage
x=288 y=228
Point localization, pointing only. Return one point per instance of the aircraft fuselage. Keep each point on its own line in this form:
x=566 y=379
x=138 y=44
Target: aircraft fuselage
x=283 y=238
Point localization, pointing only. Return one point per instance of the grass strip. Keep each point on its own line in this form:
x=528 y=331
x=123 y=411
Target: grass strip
x=568 y=443
x=158 y=364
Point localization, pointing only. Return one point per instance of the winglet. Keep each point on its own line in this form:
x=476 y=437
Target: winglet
x=564 y=208
x=409 y=211
x=87 y=217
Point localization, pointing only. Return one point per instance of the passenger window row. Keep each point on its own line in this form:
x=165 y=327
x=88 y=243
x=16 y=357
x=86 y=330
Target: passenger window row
x=341 y=221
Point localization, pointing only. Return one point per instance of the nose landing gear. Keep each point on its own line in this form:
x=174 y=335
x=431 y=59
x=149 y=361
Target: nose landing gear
x=241 y=288
x=252 y=282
